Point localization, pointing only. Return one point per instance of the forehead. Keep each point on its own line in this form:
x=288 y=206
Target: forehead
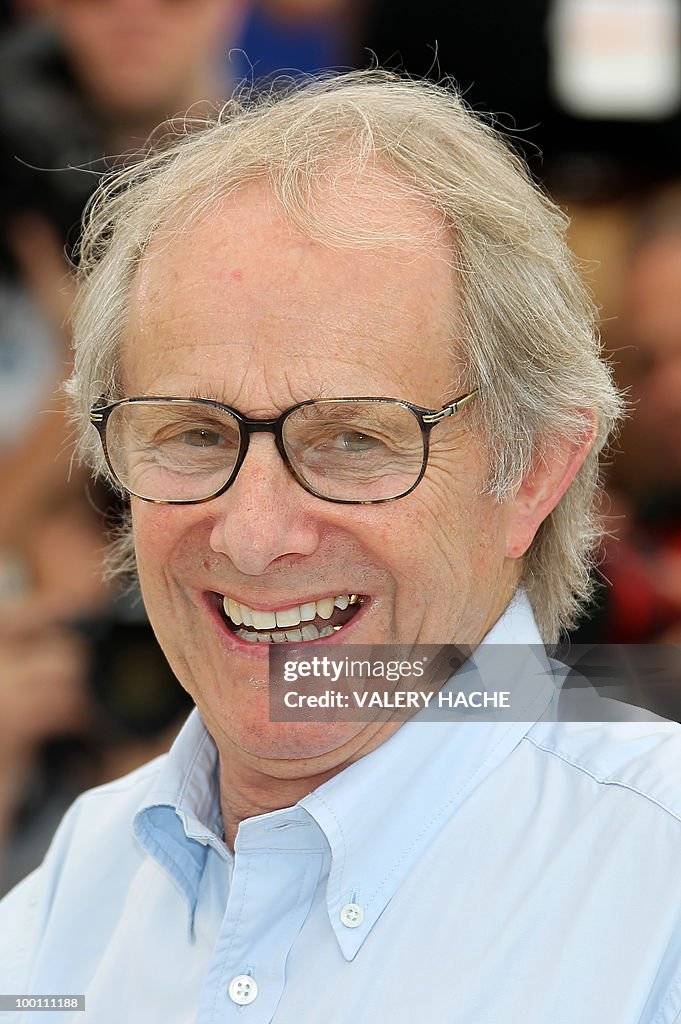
x=244 y=289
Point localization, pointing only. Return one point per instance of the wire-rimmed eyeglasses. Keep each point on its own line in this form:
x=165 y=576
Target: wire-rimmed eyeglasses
x=183 y=451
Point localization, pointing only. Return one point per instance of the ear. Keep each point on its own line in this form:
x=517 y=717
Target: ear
x=544 y=485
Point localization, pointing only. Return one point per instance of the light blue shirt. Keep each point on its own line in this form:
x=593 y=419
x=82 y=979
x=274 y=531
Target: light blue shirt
x=462 y=873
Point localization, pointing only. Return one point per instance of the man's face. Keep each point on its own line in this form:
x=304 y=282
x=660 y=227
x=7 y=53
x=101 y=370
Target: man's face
x=145 y=58
x=244 y=309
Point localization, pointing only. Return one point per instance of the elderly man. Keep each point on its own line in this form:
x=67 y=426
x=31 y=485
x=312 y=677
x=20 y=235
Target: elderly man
x=339 y=357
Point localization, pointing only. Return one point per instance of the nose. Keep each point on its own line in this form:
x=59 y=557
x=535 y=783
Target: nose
x=265 y=515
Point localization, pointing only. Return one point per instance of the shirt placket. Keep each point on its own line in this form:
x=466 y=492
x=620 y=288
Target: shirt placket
x=278 y=862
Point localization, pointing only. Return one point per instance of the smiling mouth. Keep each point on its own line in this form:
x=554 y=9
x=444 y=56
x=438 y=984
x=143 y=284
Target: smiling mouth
x=302 y=623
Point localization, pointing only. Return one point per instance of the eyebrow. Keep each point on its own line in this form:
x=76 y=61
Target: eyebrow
x=213 y=394
x=209 y=391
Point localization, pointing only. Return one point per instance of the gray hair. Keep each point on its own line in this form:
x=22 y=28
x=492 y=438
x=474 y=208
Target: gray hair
x=526 y=327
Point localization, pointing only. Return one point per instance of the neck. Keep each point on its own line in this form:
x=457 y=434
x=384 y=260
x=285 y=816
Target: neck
x=249 y=787
x=247 y=797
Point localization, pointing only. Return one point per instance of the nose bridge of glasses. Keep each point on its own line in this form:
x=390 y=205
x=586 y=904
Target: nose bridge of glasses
x=271 y=425
x=268 y=426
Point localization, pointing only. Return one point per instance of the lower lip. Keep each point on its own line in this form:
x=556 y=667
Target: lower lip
x=257 y=649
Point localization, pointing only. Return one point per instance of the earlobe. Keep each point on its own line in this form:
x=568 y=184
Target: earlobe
x=542 y=488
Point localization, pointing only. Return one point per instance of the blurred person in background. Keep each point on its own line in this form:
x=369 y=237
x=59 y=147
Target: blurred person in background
x=640 y=601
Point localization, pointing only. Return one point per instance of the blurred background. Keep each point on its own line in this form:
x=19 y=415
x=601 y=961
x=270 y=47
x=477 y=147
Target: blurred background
x=587 y=91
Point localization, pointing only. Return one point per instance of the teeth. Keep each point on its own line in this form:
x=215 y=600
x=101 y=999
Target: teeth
x=264 y=620
x=244 y=635
x=325 y=607
x=289 y=617
x=233 y=610
x=308 y=611
x=286 y=619
x=296 y=636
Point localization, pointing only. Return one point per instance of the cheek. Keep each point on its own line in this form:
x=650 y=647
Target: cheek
x=465 y=538
x=442 y=523
x=158 y=533
x=151 y=530
x=397 y=538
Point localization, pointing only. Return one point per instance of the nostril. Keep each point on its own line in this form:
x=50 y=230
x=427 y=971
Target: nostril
x=256 y=528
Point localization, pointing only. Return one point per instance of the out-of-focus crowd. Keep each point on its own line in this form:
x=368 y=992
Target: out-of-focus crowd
x=85 y=693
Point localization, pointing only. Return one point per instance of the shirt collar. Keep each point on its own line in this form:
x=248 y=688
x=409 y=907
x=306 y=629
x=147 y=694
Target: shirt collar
x=381 y=813
x=181 y=817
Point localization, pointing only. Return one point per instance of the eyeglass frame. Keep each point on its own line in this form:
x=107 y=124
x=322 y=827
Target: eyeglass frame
x=426 y=418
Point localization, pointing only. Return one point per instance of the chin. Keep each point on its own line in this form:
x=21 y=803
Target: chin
x=293 y=743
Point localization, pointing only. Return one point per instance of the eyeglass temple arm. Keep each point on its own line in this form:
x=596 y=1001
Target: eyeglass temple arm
x=449 y=410
x=97 y=410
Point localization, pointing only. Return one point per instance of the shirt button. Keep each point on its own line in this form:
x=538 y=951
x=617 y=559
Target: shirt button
x=352 y=915
x=243 y=989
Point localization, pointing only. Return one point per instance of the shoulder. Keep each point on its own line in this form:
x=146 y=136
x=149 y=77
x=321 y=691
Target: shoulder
x=105 y=811
x=101 y=811
x=641 y=757
x=96 y=830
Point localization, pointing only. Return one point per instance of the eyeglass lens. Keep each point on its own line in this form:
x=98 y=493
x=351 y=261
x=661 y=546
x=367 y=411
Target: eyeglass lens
x=186 y=451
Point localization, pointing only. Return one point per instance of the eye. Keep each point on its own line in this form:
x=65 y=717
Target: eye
x=355 y=441
x=342 y=442
x=201 y=437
